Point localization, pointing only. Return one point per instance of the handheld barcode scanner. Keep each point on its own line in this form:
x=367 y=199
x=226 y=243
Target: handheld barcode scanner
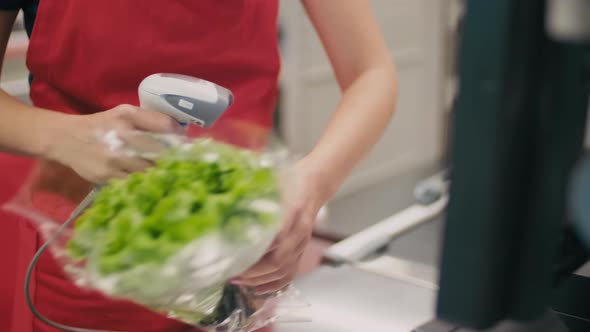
x=187 y=99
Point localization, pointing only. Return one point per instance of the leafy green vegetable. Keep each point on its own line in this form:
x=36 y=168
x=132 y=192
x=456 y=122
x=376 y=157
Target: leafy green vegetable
x=146 y=218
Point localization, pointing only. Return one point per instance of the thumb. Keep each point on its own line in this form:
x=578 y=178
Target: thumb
x=157 y=122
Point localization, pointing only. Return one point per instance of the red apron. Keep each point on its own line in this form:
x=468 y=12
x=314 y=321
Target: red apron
x=89 y=56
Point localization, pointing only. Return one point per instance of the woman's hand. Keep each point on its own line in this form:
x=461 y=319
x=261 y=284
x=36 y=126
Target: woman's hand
x=303 y=200
x=77 y=141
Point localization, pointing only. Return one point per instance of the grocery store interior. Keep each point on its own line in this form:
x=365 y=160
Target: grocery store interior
x=381 y=257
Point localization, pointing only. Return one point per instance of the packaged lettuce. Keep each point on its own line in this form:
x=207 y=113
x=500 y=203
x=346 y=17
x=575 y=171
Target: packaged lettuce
x=170 y=237
x=195 y=190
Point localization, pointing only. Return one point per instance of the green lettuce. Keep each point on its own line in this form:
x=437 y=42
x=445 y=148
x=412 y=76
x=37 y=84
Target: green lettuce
x=192 y=191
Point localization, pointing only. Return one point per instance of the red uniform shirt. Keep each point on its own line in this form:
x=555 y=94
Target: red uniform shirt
x=89 y=56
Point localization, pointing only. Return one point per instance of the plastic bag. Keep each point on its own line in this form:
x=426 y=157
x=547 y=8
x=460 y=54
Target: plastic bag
x=170 y=238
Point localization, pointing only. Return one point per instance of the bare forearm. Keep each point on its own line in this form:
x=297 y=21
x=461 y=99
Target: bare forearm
x=361 y=118
x=23 y=128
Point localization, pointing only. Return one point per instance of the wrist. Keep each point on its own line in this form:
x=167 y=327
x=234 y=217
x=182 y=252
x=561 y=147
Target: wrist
x=49 y=127
x=321 y=183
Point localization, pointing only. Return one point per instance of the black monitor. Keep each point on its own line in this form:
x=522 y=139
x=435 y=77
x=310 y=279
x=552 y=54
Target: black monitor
x=520 y=116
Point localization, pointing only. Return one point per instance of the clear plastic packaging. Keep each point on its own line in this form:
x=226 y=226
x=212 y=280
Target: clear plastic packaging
x=171 y=238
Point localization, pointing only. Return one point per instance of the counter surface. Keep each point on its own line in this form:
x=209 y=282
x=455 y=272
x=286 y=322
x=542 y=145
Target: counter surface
x=348 y=299
x=345 y=299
